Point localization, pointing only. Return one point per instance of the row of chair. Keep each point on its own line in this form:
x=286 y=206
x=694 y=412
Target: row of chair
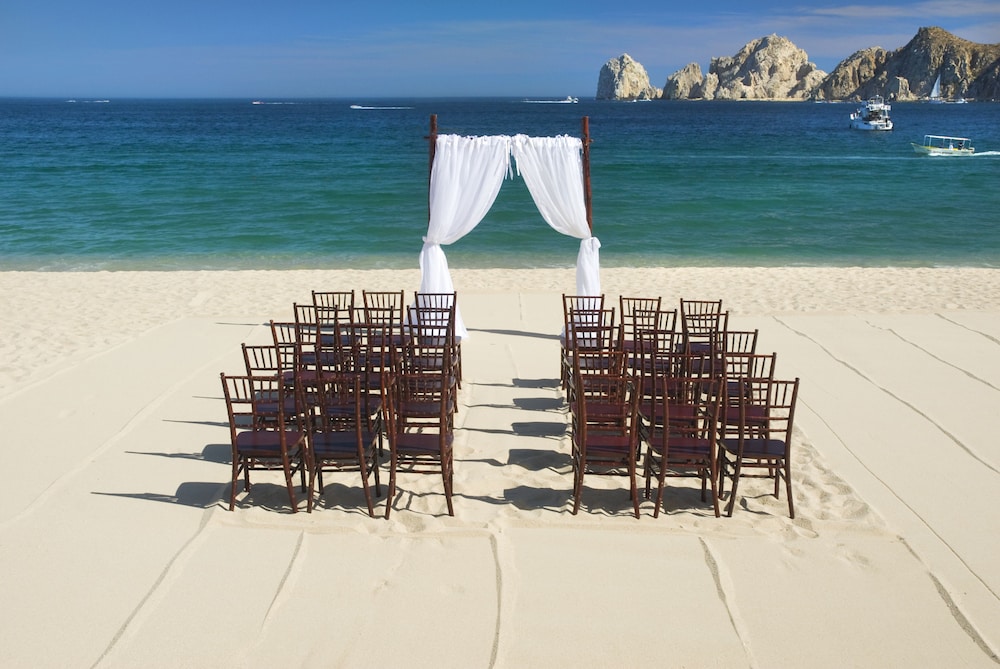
x=696 y=394
x=338 y=382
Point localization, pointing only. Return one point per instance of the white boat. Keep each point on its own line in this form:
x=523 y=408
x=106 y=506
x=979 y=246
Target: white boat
x=568 y=100
x=943 y=145
x=935 y=96
x=873 y=114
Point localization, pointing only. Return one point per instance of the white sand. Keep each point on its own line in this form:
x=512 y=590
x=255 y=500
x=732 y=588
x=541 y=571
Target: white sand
x=118 y=551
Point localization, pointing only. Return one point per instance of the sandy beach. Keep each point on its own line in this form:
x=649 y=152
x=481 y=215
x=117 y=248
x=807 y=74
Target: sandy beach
x=118 y=550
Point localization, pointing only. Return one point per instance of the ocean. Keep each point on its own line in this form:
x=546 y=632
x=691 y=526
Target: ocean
x=289 y=184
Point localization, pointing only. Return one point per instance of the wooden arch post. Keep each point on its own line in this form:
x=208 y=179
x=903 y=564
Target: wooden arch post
x=587 y=195
x=432 y=140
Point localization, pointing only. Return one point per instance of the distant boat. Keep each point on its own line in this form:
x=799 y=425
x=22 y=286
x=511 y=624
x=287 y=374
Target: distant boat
x=568 y=100
x=872 y=114
x=935 y=96
x=943 y=145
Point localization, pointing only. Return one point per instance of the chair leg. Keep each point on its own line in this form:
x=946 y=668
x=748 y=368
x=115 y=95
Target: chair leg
x=448 y=480
x=290 y=483
x=732 y=493
x=577 y=487
x=235 y=480
x=713 y=475
x=661 y=483
x=367 y=488
x=634 y=490
x=788 y=486
x=647 y=472
x=375 y=467
x=311 y=490
x=391 y=485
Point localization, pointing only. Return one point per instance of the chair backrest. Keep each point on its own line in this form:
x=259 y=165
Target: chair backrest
x=637 y=312
x=342 y=300
x=261 y=359
x=305 y=320
x=338 y=403
x=776 y=421
x=283 y=335
x=431 y=322
x=592 y=329
x=689 y=406
x=403 y=391
x=434 y=300
x=573 y=303
x=700 y=307
x=741 y=341
x=381 y=306
x=256 y=403
x=701 y=317
x=750 y=367
x=605 y=402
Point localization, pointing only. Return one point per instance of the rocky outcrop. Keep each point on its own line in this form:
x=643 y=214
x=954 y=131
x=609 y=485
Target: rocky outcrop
x=967 y=69
x=769 y=68
x=623 y=78
x=772 y=68
x=684 y=84
x=852 y=73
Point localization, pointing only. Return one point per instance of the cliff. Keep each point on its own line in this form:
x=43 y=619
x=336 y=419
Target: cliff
x=623 y=78
x=773 y=68
x=769 y=68
x=967 y=69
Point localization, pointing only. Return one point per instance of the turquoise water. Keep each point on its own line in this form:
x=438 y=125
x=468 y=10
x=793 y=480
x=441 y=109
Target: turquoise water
x=221 y=184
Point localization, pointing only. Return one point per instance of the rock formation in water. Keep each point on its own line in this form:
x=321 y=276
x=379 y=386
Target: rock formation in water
x=773 y=68
x=769 y=68
x=967 y=69
x=623 y=78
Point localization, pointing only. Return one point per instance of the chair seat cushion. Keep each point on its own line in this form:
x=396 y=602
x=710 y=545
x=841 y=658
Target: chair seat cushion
x=756 y=448
x=265 y=443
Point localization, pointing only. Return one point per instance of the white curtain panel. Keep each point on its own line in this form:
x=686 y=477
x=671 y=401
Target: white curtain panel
x=465 y=180
x=552 y=168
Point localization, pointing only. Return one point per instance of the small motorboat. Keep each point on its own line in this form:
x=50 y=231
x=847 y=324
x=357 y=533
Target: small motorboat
x=944 y=145
x=873 y=114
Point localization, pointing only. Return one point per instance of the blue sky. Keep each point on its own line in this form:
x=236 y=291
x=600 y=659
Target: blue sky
x=367 y=48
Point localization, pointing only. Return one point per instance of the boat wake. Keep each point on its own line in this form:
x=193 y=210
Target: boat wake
x=369 y=107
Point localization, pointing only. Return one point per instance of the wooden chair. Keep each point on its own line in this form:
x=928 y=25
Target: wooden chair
x=383 y=307
x=588 y=330
x=637 y=313
x=266 y=360
x=587 y=385
x=741 y=341
x=341 y=300
x=682 y=440
x=418 y=443
x=433 y=308
x=703 y=325
x=762 y=440
x=261 y=436
x=606 y=443
x=340 y=437
x=573 y=304
x=756 y=371
x=429 y=352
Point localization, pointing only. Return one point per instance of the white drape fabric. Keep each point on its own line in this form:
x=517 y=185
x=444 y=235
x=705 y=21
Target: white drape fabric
x=465 y=180
x=552 y=168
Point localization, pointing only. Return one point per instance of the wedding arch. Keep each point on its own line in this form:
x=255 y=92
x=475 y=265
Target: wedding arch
x=465 y=178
